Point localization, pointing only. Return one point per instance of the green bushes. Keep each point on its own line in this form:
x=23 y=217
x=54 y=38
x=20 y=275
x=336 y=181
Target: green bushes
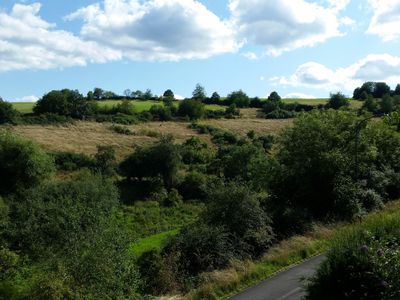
x=22 y=163
x=191 y=108
x=65 y=231
x=65 y=103
x=161 y=160
x=364 y=263
x=71 y=161
x=7 y=113
x=357 y=157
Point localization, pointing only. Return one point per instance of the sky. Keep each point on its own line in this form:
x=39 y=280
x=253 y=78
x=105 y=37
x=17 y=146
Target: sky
x=299 y=48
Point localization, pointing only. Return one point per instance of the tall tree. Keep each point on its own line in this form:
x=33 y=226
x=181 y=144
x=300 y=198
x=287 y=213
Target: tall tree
x=199 y=93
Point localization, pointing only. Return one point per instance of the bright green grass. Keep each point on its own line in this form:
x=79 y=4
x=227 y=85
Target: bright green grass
x=153 y=242
x=139 y=106
x=306 y=101
x=24 y=107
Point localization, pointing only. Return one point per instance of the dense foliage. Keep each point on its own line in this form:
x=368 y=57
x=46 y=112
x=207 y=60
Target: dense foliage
x=363 y=264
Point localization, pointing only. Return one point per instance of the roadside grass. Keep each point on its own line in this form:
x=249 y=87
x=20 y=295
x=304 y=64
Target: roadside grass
x=244 y=274
x=153 y=242
x=241 y=275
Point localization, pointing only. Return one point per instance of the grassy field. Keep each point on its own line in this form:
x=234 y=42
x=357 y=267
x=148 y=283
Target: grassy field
x=27 y=107
x=83 y=137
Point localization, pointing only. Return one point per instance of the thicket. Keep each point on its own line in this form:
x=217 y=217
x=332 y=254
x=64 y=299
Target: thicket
x=59 y=239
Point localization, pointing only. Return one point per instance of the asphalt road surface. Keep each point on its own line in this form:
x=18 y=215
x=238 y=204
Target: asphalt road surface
x=284 y=286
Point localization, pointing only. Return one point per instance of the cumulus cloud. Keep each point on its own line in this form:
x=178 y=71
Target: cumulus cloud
x=374 y=67
x=157 y=29
x=385 y=21
x=284 y=25
x=299 y=96
x=29 y=42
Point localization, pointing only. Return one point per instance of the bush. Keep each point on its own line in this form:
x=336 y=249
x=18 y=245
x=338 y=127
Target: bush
x=45 y=119
x=161 y=160
x=191 y=108
x=22 y=163
x=66 y=103
x=195 y=151
x=121 y=130
x=7 y=113
x=71 y=161
x=194 y=186
x=328 y=138
x=161 y=113
x=337 y=101
x=238 y=98
x=280 y=114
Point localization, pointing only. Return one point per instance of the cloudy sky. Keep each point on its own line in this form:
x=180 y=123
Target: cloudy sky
x=300 y=48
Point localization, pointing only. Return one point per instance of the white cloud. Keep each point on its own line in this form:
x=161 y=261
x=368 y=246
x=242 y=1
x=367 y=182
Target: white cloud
x=31 y=98
x=157 y=29
x=29 y=42
x=385 y=21
x=250 y=55
x=284 y=25
x=299 y=96
x=374 y=67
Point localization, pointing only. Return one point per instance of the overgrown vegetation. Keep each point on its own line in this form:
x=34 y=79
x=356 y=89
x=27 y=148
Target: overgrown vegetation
x=78 y=226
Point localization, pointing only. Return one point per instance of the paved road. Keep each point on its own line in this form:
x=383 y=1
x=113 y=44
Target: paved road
x=284 y=286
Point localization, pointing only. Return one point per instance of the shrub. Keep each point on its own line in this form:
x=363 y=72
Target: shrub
x=22 y=163
x=191 y=108
x=105 y=160
x=280 y=114
x=195 y=151
x=194 y=186
x=161 y=113
x=238 y=98
x=7 y=113
x=337 y=101
x=121 y=130
x=71 y=161
x=66 y=103
x=161 y=159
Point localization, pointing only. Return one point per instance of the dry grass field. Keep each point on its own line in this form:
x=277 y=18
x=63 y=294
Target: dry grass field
x=244 y=125
x=83 y=137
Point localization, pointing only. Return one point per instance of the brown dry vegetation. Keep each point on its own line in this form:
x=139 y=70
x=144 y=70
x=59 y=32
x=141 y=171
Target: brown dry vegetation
x=244 y=125
x=83 y=137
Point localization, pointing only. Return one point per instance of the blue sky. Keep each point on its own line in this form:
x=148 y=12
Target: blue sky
x=300 y=48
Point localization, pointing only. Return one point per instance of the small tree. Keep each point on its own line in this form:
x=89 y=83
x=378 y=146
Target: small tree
x=199 y=93
x=215 y=98
x=128 y=93
x=337 y=101
x=397 y=90
x=274 y=97
x=387 y=105
x=98 y=93
x=239 y=98
x=22 y=163
x=7 y=113
x=169 y=94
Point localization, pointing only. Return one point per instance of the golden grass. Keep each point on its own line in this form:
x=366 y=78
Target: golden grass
x=84 y=137
x=243 y=126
